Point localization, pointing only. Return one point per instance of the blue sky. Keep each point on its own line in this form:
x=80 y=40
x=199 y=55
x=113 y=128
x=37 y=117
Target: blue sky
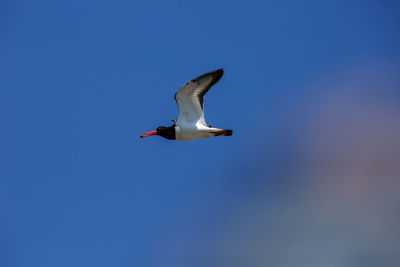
x=80 y=80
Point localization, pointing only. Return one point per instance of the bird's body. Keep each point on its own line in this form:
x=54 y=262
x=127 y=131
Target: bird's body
x=191 y=124
x=191 y=132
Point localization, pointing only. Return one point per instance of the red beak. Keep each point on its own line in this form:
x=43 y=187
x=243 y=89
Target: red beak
x=148 y=134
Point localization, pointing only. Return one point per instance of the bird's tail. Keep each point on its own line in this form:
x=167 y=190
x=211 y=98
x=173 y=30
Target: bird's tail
x=224 y=133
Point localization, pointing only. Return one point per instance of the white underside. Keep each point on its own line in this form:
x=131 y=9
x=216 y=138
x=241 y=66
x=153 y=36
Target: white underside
x=189 y=132
x=191 y=124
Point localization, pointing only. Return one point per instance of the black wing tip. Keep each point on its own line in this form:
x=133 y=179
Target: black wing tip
x=218 y=71
x=217 y=74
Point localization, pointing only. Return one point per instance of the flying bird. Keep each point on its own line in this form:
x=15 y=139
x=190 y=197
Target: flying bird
x=191 y=124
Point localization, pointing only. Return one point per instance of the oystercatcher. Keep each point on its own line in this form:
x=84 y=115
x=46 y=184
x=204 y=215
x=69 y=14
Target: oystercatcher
x=191 y=124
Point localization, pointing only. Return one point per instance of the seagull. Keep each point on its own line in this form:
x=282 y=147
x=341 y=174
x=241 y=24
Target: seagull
x=191 y=124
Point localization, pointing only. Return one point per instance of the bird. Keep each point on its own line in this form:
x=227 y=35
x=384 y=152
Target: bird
x=191 y=124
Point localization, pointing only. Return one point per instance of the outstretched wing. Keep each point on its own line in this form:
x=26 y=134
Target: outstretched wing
x=190 y=97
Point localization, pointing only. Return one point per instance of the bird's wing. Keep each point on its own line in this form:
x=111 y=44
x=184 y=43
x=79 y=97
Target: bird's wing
x=189 y=97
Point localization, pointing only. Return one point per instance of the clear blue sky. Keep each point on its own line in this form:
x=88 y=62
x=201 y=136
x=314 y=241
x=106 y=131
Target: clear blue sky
x=80 y=80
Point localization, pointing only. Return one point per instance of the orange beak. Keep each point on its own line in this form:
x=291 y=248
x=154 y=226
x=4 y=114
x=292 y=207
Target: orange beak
x=148 y=134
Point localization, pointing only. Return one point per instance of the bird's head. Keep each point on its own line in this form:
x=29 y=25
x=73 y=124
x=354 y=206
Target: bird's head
x=166 y=132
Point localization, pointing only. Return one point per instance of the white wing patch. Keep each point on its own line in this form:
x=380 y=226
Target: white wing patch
x=190 y=98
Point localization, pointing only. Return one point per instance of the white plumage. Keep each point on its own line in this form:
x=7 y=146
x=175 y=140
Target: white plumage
x=191 y=124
